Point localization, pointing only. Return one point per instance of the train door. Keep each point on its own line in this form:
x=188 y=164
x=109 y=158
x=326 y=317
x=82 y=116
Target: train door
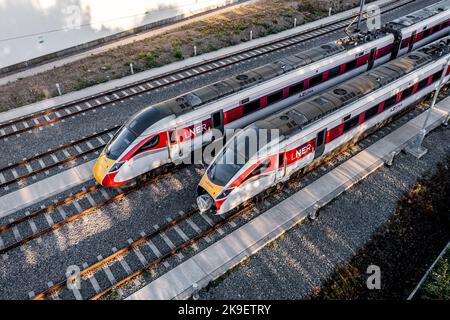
x=174 y=145
x=281 y=170
x=397 y=44
x=217 y=121
x=371 y=58
x=411 y=41
x=320 y=143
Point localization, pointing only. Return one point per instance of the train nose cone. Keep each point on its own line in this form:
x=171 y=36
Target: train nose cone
x=102 y=167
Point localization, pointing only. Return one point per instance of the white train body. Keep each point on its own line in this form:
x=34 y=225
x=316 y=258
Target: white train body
x=313 y=128
x=166 y=132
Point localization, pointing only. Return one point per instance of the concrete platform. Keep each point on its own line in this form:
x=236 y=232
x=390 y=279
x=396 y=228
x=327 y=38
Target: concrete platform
x=41 y=190
x=190 y=62
x=218 y=258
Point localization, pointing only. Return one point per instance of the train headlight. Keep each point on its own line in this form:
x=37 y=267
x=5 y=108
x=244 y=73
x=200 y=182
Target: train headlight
x=204 y=202
x=116 y=166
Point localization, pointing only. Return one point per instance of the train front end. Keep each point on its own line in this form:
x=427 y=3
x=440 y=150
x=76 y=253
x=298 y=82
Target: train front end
x=137 y=147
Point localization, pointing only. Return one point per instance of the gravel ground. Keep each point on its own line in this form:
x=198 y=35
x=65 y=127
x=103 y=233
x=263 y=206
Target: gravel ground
x=74 y=128
x=292 y=266
x=97 y=233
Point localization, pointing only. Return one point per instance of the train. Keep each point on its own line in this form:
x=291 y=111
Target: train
x=166 y=132
x=251 y=162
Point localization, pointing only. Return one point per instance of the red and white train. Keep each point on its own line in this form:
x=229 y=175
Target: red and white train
x=166 y=132
x=313 y=128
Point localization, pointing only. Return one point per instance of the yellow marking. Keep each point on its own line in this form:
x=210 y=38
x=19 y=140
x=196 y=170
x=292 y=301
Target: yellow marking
x=101 y=167
x=210 y=187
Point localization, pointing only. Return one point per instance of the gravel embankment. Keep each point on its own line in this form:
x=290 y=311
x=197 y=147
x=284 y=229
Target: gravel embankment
x=308 y=255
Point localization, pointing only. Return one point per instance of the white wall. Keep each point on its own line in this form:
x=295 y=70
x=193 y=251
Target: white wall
x=31 y=28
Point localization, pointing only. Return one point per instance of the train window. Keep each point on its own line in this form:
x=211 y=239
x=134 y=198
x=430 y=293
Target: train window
x=274 y=97
x=259 y=169
x=390 y=102
x=296 y=88
x=407 y=92
x=334 y=72
x=120 y=143
x=422 y=84
x=346 y=117
x=437 y=75
x=251 y=106
x=350 y=124
x=280 y=160
x=314 y=81
x=371 y=113
x=350 y=65
x=426 y=33
x=150 y=143
x=172 y=137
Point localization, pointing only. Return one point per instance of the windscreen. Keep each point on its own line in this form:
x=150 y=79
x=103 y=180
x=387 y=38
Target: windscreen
x=119 y=143
x=234 y=156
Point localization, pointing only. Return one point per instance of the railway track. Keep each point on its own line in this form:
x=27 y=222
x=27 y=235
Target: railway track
x=191 y=227
x=27 y=170
x=172 y=242
x=104 y=99
x=17 y=233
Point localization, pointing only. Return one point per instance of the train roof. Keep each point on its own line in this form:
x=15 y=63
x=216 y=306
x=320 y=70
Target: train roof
x=200 y=97
x=298 y=116
x=419 y=15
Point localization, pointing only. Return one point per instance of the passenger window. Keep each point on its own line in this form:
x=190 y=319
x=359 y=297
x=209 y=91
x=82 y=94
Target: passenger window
x=390 y=102
x=371 y=113
x=407 y=92
x=314 y=81
x=274 y=97
x=422 y=84
x=150 y=143
x=437 y=75
x=296 y=88
x=350 y=65
x=251 y=107
x=334 y=72
x=258 y=170
x=350 y=124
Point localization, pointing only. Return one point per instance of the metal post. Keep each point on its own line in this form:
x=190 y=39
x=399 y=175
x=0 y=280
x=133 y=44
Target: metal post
x=416 y=149
x=295 y=22
x=251 y=35
x=131 y=68
x=59 y=89
x=195 y=50
x=329 y=12
x=358 y=27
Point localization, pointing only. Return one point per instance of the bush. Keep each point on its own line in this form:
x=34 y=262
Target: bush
x=438 y=287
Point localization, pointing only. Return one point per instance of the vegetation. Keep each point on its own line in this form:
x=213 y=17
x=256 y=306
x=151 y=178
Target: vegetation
x=420 y=226
x=437 y=286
